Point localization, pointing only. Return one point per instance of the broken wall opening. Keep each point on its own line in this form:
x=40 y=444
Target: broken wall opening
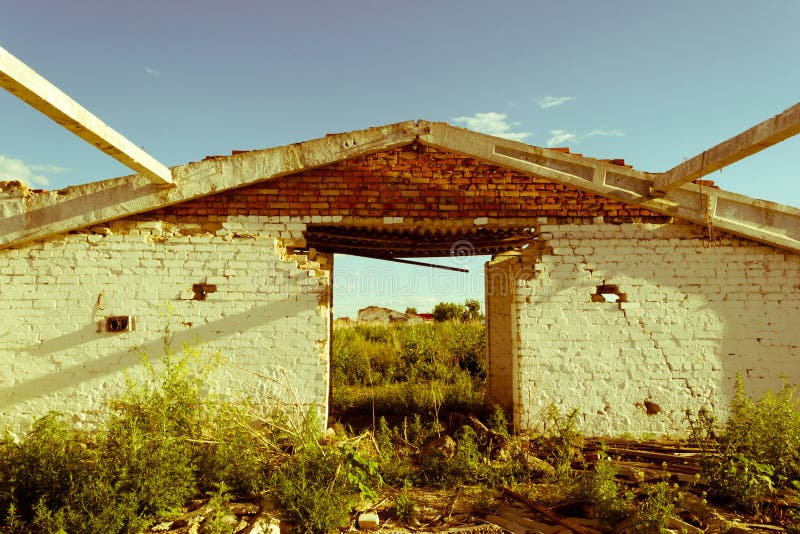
x=429 y=254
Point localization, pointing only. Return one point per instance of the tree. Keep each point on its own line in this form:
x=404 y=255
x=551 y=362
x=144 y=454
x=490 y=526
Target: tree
x=450 y=311
x=411 y=311
x=473 y=310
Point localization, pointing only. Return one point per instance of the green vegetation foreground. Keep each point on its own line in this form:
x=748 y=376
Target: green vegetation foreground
x=164 y=443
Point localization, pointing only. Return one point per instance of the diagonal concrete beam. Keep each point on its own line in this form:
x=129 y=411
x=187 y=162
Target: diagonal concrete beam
x=56 y=212
x=755 y=139
x=20 y=80
x=763 y=221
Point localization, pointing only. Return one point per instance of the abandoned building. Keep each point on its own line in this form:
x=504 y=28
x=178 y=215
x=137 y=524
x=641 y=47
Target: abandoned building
x=604 y=294
x=628 y=295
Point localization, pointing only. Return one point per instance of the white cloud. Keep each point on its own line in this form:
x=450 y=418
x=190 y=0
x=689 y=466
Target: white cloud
x=553 y=101
x=35 y=175
x=558 y=137
x=493 y=123
x=153 y=72
x=605 y=133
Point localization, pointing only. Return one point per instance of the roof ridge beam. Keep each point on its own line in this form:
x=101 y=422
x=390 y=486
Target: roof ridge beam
x=25 y=83
x=761 y=136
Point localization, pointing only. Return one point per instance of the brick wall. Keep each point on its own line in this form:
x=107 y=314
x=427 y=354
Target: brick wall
x=224 y=285
x=413 y=182
x=690 y=316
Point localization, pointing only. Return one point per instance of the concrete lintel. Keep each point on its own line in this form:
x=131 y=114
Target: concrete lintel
x=55 y=212
x=20 y=80
x=766 y=222
x=755 y=139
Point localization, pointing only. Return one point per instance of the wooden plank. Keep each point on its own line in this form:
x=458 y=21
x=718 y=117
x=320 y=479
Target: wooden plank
x=549 y=514
x=22 y=81
x=663 y=457
x=755 y=139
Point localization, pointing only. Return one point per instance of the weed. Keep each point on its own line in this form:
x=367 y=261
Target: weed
x=599 y=487
x=740 y=481
x=40 y=472
x=312 y=490
x=405 y=509
x=653 y=513
x=394 y=462
x=220 y=519
x=409 y=369
x=497 y=421
x=564 y=441
x=767 y=431
x=465 y=467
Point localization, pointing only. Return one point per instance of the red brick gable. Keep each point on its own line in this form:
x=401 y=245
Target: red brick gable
x=413 y=181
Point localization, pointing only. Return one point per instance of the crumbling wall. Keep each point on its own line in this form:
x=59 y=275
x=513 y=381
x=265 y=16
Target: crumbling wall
x=224 y=284
x=633 y=324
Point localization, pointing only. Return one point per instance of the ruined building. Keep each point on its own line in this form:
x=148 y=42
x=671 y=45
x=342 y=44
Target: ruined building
x=610 y=290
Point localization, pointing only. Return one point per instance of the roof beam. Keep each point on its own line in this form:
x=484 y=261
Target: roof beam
x=757 y=138
x=20 y=80
x=56 y=212
x=760 y=220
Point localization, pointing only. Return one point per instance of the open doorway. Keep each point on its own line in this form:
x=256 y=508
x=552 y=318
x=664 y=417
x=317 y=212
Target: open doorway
x=408 y=336
x=408 y=339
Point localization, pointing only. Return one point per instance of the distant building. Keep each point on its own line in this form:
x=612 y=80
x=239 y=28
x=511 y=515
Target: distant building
x=376 y=314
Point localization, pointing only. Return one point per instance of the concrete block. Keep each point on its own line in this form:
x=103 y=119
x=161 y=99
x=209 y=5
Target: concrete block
x=368 y=521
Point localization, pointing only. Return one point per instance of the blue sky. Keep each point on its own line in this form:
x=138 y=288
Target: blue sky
x=651 y=82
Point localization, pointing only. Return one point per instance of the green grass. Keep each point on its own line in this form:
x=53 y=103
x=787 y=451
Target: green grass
x=399 y=369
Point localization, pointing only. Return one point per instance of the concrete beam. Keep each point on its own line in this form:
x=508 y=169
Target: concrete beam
x=757 y=138
x=56 y=212
x=20 y=80
x=763 y=221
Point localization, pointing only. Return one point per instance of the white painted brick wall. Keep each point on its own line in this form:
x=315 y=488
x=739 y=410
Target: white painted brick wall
x=694 y=318
x=268 y=318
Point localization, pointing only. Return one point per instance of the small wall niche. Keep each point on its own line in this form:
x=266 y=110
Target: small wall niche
x=119 y=323
x=609 y=293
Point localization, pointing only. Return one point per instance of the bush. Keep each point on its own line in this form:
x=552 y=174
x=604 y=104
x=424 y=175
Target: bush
x=317 y=486
x=142 y=461
x=599 y=487
x=654 y=512
x=41 y=471
x=757 y=450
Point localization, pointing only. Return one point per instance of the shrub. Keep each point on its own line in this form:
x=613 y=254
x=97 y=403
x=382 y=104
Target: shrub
x=317 y=486
x=564 y=441
x=41 y=471
x=141 y=462
x=758 y=447
x=654 y=512
x=599 y=487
